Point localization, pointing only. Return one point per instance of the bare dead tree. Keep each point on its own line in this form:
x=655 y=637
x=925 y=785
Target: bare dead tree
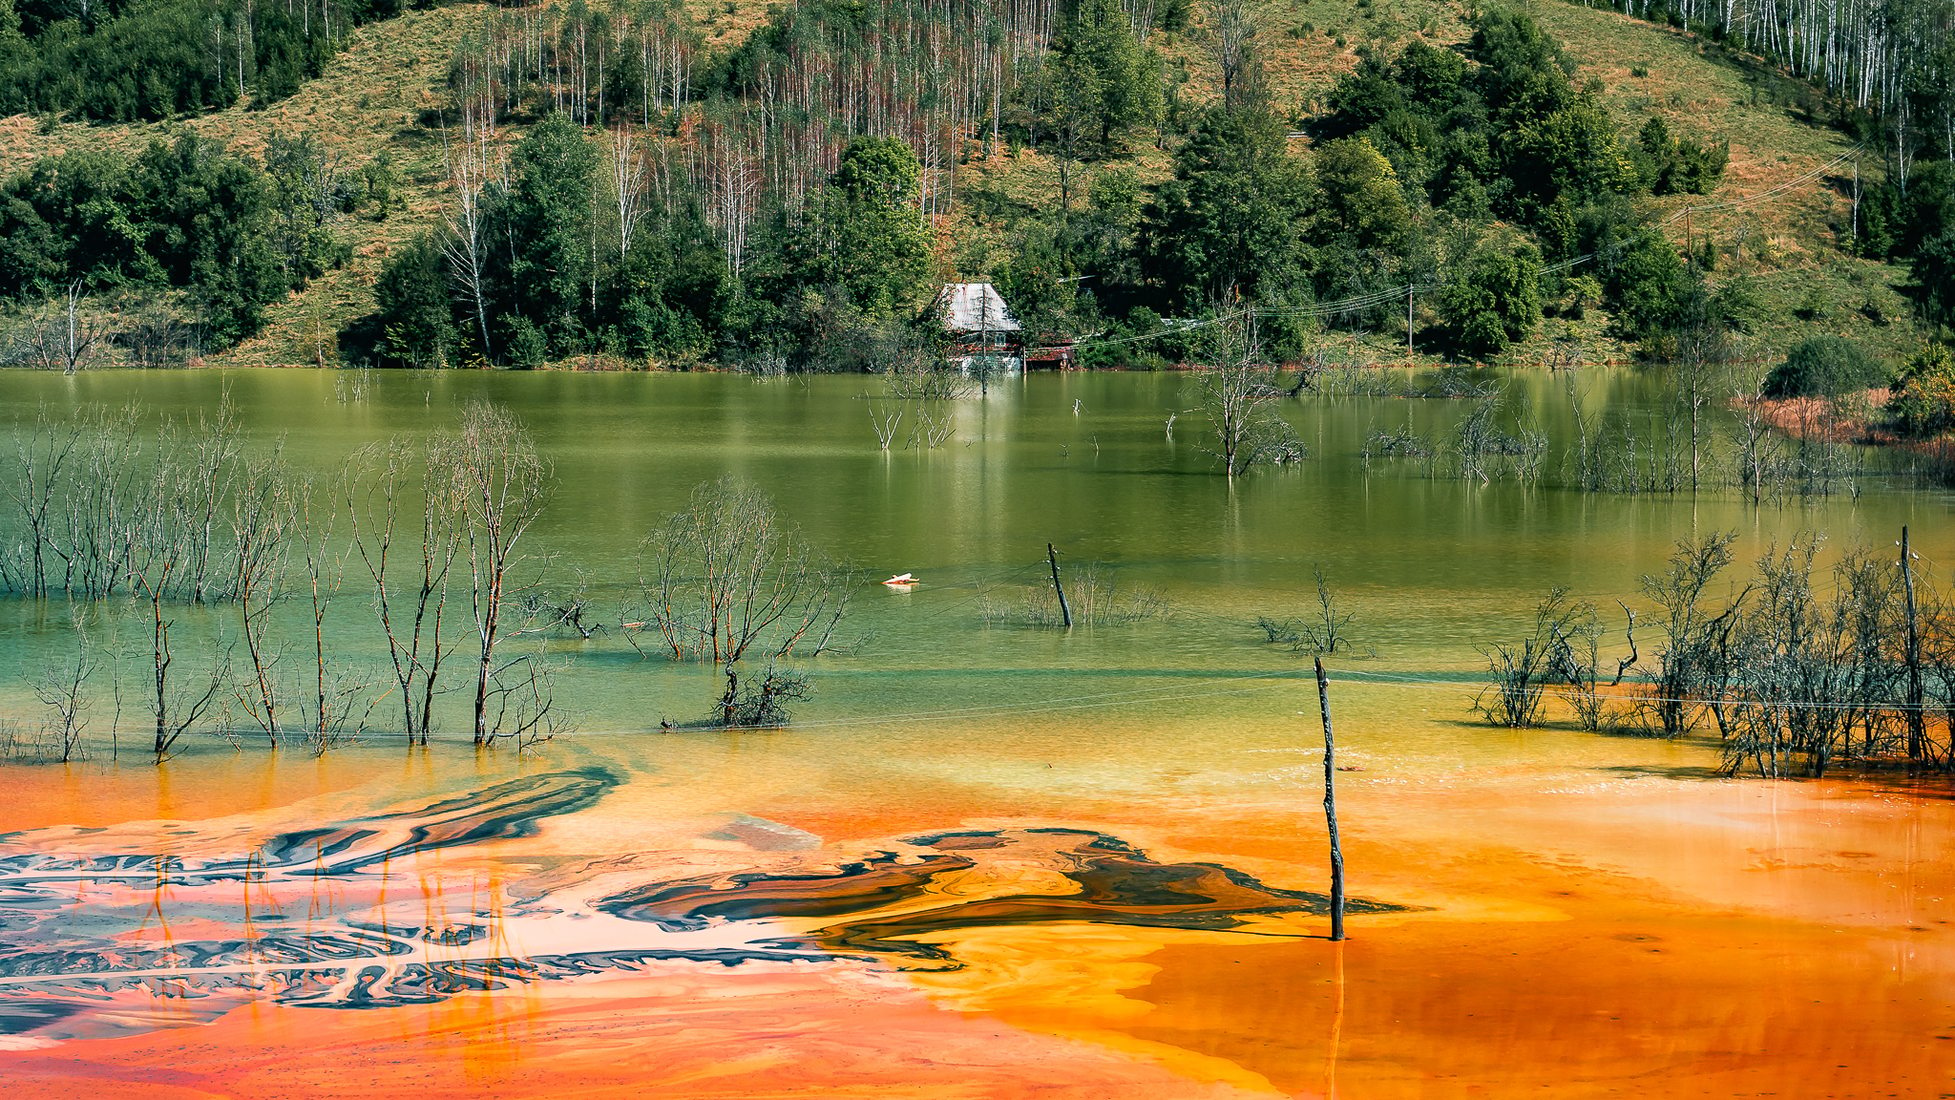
x=1231 y=34
x=97 y=537
x=207 y=482
x=337 y=704
x=61 y=335
x=758 y=702
x=162 y=555
x=63 y=689
x=885 y=424
x=567 y=608
x=1560 y=651
x=932 y=430
x=1234 y=396
x=41 y=456
x=727 y=575
x=410 y=598
x=1629 y=637
x=261 y=524
x=1327 y=628
x=522 y=702
x=504 y=484
x=472 y=169
x=1702 y=352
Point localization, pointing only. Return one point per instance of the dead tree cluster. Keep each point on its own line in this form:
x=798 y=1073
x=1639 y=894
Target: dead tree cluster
x=1675 y=447
x=140 y=525
x=1882 y=56
x=1793 y=669
x=727 y=579
x=762 y=128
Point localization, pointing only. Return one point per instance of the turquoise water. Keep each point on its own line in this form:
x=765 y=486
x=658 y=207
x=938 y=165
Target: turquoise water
x=1432 y=567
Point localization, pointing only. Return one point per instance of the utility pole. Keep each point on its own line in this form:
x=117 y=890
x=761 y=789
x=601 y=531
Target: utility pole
x=1408 y=322
x=1065 y=613
x=1856 y=203
x=1330 y=811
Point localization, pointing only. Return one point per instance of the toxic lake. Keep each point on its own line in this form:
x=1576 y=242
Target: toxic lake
x=986 y=857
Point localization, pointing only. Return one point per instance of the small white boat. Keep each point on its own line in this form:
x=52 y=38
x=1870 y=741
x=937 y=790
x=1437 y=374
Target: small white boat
x=901 y=580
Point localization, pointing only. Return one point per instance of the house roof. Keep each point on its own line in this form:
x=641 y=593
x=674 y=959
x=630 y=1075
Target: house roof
x=975 y=307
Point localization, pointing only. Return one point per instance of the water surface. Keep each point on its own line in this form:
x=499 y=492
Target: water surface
x=987 y=859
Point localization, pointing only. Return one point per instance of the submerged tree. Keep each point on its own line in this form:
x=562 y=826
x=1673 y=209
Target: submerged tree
x=759 y=702
x=1237 y=398
x=1559 y=652
x=262 y=517
x=392 y=484
x=503 y=484
x=727 y=575
x=1694 y=662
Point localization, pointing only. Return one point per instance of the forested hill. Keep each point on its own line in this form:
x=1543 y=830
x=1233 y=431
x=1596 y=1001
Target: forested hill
x=784 y=186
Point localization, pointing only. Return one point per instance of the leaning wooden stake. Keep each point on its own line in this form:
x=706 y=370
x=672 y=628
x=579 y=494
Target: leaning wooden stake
x=1330 y=810
x=1065 y=613
x=1916 y=719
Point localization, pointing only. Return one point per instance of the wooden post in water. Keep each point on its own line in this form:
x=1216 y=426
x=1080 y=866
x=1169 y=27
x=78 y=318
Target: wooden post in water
x=1330 y=811
x=1916 y=720
x=1065 y=613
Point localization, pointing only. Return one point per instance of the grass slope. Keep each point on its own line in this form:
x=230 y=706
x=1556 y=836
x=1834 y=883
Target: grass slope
x=368 y=101
x=1788 y=246
x=370 y=98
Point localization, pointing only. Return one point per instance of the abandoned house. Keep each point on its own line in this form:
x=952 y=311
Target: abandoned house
x=981 y=327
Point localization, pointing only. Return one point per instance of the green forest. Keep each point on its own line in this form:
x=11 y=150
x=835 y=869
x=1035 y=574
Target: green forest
x=601 y=184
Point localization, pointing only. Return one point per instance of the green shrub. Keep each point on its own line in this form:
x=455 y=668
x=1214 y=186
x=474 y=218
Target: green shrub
x=1824 y=366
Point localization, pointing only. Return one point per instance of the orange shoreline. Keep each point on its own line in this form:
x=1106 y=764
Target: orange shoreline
x=1586 y=933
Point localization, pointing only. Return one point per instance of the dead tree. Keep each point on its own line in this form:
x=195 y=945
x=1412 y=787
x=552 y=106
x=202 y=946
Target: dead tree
x=1231 y=37
x=728 y=575
x=64 y=336
x=472 y=171
x=40 y=458
x=411 y=598
x=339 y=703
x=1059 y=589
x=63 y=688
x=161 y=558
x=1326 y=630
x=504 y=484
x=761 y=703
x=205 y=483
x=261 y=520
x=1234 y=396
x=1330 y=810
x=1917 y=733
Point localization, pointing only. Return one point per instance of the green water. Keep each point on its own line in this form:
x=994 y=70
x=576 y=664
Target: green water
x=1432 y=567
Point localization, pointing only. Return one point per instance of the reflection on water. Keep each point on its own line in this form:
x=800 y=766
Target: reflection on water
x=894 y=901
x=1433 y=567
x=112 y=942
x=988 y=860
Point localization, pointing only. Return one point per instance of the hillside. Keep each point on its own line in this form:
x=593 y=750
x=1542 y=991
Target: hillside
x=1783 y=240
x=369 y=102
x=1775 y=216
